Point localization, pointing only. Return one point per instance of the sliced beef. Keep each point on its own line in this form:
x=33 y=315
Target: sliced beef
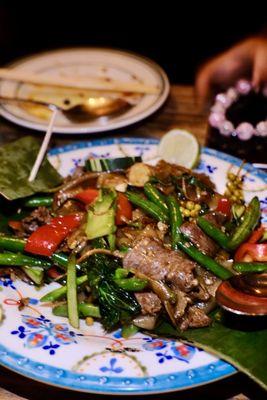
x=194 y=317
x=152 y=259
x=182 y=301
x=199 y=238
x=207 y=281
x=127 y=236
x=40 y=216
x=149 y=302
x=164 y=171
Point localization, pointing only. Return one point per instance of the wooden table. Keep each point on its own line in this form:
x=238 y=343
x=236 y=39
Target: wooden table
x=179 y=111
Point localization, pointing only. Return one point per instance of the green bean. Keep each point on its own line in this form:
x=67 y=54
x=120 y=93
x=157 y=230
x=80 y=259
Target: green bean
x=250 y=267
x=205 y=261
x=129 y=330
x=155 y=196
x=176 y=220
x=61 y=292
x=89 y=310
x=121 y=273
x=85 y=310
x=61 y=259
x=132 y=284
x=147 y=206
x=250 y=221
x=14 y=244
x=20 y=260
x=11 y=243
x=72 y=300
x=38 y=201
x=215 y=233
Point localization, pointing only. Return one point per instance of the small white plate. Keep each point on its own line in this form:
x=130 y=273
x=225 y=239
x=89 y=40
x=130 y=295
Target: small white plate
x=87 y=62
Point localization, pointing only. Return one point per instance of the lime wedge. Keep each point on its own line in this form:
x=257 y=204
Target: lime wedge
x=179 y=147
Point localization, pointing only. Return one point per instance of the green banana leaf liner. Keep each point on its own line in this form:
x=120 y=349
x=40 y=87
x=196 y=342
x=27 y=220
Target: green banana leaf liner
x=245 y=349
x=16 y=161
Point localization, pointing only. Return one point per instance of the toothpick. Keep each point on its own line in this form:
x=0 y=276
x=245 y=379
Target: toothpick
x=44 y=146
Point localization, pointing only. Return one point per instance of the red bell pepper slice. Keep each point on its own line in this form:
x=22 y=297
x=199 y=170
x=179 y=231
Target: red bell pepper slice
x=46 y=239
x=224 y=206
x=256 y=235
x=87 y=196
x=124 y=209
x=251 y=252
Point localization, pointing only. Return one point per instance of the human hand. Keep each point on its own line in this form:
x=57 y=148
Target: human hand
x=247 y=59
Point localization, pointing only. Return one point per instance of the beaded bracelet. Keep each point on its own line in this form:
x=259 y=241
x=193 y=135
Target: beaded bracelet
x=217 y=118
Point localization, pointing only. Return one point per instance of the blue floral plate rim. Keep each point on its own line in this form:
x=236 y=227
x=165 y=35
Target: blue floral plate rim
x=127 y=385
x=114 y=385
x=153 y=141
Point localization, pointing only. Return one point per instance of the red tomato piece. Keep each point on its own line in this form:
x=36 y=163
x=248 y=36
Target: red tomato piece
x=87 y=196
x=124 y=209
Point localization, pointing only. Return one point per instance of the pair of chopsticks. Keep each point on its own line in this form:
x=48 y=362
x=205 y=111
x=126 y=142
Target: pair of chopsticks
x=77 y=83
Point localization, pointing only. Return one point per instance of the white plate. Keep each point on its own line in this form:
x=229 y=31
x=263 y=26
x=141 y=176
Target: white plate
x=41 y=346
x=87 y=62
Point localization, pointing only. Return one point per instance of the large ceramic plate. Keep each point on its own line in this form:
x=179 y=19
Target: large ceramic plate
x=41 y=346
x=86 y=62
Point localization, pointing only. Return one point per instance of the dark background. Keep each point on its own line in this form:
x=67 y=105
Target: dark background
x=179 y=36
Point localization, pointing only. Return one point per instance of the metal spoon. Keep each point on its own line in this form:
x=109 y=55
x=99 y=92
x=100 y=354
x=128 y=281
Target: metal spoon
x=244 y=294
x=87 y=110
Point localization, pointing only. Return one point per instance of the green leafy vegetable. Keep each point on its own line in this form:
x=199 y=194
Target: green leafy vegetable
x=115 y=303
x=16 y=160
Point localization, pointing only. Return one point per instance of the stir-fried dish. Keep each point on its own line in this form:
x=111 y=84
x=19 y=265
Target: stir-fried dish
x=133 y=244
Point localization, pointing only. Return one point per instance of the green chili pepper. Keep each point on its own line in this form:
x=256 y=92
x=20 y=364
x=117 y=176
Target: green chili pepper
x=131 y=284
x=215 y=233
x=250 y=267
x=250 y=220
x=85 y=310
x=20 y=260
x=155 y=196
x=38 y=201
x=61 y=292
x=205 y=261
x=176 y=220
x=150 y=208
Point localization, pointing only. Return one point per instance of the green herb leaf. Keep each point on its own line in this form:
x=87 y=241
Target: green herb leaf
x=16 y=160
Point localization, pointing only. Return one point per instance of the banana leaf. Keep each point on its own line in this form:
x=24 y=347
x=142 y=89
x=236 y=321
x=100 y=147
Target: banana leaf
x=244 y=348
x=16 y=161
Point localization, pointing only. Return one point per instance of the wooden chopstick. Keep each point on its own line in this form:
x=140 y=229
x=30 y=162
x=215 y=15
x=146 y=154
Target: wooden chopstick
x=77 y=83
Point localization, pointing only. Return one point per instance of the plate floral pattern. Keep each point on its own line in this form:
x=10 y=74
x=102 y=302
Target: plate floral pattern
x=37 y=344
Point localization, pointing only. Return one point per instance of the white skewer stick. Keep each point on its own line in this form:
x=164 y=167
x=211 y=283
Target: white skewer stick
x=43 y=147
